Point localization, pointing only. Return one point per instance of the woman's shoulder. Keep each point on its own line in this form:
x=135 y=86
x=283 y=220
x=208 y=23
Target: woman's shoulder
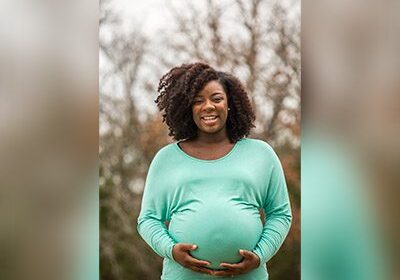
x=163 y=158
x=257 y=144
x=259 y=148
x=165 y=151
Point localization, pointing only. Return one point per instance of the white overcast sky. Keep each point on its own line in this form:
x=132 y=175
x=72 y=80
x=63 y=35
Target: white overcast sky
x=151 y=14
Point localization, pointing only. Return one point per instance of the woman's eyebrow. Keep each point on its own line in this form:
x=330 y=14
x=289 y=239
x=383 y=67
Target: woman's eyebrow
x=214 y=93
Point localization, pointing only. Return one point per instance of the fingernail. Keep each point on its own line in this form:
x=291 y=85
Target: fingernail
x=194 y=247
x=241 y=251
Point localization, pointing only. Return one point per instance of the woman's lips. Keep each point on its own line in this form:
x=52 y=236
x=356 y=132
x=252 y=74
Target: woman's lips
x=209 y=121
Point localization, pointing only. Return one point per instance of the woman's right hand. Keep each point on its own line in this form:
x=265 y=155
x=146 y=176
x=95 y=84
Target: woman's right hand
x=181 y=255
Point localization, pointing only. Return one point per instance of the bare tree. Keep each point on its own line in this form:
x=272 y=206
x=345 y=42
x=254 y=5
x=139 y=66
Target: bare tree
x=266 y=55
x=123 y=158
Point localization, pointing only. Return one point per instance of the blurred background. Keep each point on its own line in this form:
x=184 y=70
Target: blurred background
x=49 y=138
x=257 y=40
x=49 y=80
x=350 y=140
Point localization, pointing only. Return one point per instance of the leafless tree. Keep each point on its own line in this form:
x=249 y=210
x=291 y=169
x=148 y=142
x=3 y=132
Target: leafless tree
x=123 y=158
x=266 y=55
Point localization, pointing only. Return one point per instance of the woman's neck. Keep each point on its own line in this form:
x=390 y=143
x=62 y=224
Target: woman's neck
x=214 y=138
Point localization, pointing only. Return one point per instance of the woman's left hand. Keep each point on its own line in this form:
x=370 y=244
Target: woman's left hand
x=250 y=261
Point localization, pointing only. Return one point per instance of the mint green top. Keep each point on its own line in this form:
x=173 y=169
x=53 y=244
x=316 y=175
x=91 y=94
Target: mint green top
x=215 y=205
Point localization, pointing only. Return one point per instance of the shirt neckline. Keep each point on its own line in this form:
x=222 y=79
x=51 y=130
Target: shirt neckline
x=208 y=160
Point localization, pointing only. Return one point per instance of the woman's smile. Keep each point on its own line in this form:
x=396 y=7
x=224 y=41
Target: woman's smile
x=209 y=120
x=210 y=108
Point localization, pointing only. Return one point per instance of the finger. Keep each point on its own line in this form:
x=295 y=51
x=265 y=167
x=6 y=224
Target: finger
x=196 y=262
x=247 y=254
x=224 y=273
x=229 y=266
x=251 y=258
x=201 y=269
x=188 y=247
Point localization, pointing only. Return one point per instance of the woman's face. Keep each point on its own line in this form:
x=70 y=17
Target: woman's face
x=210 y=108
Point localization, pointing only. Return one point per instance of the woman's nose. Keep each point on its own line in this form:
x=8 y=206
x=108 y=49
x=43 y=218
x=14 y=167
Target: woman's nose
x=208 y=105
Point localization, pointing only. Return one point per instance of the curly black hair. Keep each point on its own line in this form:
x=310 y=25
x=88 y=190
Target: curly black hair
x=177 y=90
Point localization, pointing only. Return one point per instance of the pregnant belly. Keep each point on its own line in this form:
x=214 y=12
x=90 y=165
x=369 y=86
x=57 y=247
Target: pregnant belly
x=219 y=228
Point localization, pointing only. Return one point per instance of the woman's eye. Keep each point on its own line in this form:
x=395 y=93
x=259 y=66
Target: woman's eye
x=218 y=99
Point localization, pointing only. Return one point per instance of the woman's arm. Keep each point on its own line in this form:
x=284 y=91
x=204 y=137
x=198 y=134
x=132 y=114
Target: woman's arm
x=278 y=215
x=153 y=214
x=151 y=222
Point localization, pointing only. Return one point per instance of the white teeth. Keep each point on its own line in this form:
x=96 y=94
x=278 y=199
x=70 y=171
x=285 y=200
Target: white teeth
x=210 y=118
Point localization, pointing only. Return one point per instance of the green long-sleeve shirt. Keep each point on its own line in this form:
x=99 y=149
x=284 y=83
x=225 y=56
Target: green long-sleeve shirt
x=215 y=205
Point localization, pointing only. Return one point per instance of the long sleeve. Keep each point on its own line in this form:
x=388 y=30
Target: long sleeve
x=154 y=212
x=278 y=215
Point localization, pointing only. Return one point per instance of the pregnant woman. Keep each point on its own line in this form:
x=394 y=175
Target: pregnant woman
x=211 y=184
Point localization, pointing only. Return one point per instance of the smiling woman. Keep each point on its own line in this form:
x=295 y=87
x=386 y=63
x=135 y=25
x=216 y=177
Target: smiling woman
x=192 y=91
x=210 y=107
x=212 y=183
